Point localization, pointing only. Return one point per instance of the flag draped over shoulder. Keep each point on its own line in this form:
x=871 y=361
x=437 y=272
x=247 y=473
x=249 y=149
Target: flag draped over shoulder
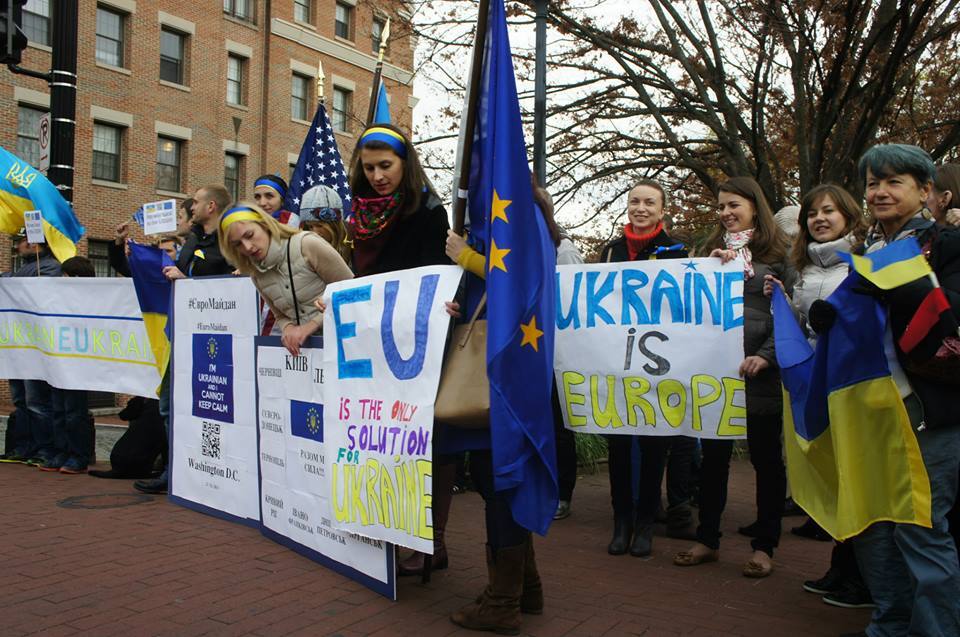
x=23 y=188
x=319 y=164
x=521 y=261
x=852 y=456
x=153 y=293
x=382 y=113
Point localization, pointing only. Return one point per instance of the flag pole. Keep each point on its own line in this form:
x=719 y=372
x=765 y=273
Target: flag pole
x=470 y=120
x=377 y=75
x=320 y=78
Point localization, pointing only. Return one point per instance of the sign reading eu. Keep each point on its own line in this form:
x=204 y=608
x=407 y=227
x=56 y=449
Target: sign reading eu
x=213 y=376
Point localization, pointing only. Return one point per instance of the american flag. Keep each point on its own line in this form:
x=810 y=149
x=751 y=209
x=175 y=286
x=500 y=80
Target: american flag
x=319 y=164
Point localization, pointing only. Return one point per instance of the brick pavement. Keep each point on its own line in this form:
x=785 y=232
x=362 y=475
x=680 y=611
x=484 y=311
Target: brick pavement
x=158 y=569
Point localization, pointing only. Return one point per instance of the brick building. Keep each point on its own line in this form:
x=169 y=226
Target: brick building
x=175 y=94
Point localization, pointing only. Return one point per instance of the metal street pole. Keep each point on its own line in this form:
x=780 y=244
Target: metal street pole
x=540 y=96
x=63 y=96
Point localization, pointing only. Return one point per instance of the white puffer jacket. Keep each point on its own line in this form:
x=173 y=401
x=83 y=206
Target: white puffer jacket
x=819 y=279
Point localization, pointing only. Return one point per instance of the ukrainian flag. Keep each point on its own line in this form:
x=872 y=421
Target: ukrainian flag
x=24 y=188
x=153 y=293
x=897 y=264
x=852 y=456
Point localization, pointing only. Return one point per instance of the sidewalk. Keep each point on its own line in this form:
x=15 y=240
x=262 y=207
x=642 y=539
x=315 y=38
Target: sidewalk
x=135 y=565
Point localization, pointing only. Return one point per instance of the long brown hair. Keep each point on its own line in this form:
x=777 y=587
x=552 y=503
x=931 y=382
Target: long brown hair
x=414 y=184
x=769 y=243
x=848 y=207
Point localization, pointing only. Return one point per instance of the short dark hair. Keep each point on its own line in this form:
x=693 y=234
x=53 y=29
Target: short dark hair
x=218 y=194
x=78 y=266
x=187 y=205
x=885 y=160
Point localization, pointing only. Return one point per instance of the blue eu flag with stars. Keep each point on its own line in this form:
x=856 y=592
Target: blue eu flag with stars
x=319 y=164
x=521 y=261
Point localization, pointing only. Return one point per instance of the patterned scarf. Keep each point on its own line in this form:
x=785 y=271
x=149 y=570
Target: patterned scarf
x=876 y=238
x=739 y=242
x=371 y=215
x=636 y=243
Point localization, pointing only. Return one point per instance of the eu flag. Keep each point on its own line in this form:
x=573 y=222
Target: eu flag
x=153 y=293
x=319 y=164
x=306 y=420
x=23 y=188
x=521 y=261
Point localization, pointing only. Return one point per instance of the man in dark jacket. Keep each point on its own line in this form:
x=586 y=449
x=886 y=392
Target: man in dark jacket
x=200 y=256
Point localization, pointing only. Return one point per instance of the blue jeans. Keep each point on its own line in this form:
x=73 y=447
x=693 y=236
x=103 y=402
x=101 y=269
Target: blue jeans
x=911 y=571
x=71 y=427
x=37 y=394
x=22 y=435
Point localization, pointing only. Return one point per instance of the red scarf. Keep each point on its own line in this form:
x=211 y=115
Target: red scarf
x=636 y=243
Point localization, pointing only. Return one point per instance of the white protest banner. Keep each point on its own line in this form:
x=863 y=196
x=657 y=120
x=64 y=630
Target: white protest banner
x=213 y=410
x=384 y=337
x=651 y=348
x=294 y=489
x=33 y=222
x=76 y=334
x=159 y=216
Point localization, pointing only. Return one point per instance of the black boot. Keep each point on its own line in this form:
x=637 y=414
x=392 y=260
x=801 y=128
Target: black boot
x=642 y=544
x=622 y=532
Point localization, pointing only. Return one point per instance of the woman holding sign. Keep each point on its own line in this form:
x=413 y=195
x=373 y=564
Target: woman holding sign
x=399 y=223
x=746 y=230
x=645 y=238
x=290 y=268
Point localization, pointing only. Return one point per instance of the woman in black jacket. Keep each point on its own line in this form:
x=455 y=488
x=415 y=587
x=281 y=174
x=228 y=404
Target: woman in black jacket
x=644 y=238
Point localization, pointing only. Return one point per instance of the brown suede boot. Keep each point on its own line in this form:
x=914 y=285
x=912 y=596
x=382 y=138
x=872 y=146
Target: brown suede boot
x=443 y=478
x=531 y=601
x=499 y=610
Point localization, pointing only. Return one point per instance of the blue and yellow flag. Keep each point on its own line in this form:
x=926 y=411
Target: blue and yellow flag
x=897 y=264
x=852 y=456
x=382 y=113
x=521 y=261
x=153 y=293
x=24 y=188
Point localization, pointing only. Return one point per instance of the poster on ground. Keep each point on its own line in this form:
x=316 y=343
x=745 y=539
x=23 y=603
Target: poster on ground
x=651 y=348
x=384 y=340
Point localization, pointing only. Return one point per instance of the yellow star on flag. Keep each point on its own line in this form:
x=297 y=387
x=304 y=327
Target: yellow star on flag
x=496 y=256
x=498 y=210
x=530 y=334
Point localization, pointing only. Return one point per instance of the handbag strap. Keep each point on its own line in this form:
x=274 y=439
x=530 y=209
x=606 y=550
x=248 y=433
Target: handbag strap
x=293 y=290
x=473 y=321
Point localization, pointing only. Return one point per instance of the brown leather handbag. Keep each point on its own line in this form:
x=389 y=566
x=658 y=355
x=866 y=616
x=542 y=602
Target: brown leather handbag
x=463 y=398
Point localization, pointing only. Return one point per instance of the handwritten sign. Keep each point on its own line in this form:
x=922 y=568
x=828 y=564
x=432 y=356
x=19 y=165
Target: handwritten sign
x=651 y=348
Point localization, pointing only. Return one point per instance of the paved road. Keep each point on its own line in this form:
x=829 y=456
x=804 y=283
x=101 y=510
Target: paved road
x=157 y=569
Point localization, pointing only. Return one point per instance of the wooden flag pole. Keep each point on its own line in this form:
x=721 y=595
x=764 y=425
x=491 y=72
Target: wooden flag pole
x=470 y=120
x=377 y=75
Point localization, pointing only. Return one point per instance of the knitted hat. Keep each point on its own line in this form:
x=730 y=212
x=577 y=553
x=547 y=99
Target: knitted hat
x=321 y=203
x=786 y=218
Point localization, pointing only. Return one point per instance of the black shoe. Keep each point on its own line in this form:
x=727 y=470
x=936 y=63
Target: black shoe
x=157 y=486
x=811 y=530
x=622 y=532
x=642 y=545
x=850 y=597
x=751 y=530
x=792 y=508
x=832 y=582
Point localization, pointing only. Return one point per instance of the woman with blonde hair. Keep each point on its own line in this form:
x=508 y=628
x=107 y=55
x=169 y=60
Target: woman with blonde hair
x=290 y=268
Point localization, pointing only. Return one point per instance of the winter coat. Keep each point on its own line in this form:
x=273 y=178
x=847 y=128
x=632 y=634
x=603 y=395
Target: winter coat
x=201 y=256
x=48 y=266
x=616 y=251
x=415 y=240
x=818 y=280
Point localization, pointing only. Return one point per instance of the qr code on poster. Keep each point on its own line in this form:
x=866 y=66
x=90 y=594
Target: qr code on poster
x=210 y=440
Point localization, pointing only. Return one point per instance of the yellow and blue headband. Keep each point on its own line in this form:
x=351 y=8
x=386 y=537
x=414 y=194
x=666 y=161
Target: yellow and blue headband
x=391 y=138
x=273 y=185
x=240 y=213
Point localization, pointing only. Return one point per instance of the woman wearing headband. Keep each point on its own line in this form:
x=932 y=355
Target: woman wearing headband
x=269 y=191
x=290 y=268
x=399 y=223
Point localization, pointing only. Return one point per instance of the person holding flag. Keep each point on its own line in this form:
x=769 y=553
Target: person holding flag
x=912 y=265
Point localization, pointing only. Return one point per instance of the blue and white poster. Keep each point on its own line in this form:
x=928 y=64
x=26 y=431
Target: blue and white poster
x=213 y=376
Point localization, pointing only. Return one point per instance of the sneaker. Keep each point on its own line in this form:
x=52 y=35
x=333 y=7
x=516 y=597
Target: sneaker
x=850 y=597
x=37 y=460
x=14 y=457
x=829 y=583
x=54 y=463
x=563 y=510
x=73 y=466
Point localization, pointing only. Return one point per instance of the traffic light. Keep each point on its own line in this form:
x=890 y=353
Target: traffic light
x=12 y=38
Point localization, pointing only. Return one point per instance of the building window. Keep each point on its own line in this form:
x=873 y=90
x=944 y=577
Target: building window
x=28 y=134
x=240 y=9
x=168 y=164
x=235 y=79
x=342 y=20
x=293 y=169
x=36 y=21
x=109 y=37
x=171 y=56
x=99 y=254
x=376 y=32
x=301 y=10
x=341 y=109
x=106 y=152
x=299 y=97
x=231 y=175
